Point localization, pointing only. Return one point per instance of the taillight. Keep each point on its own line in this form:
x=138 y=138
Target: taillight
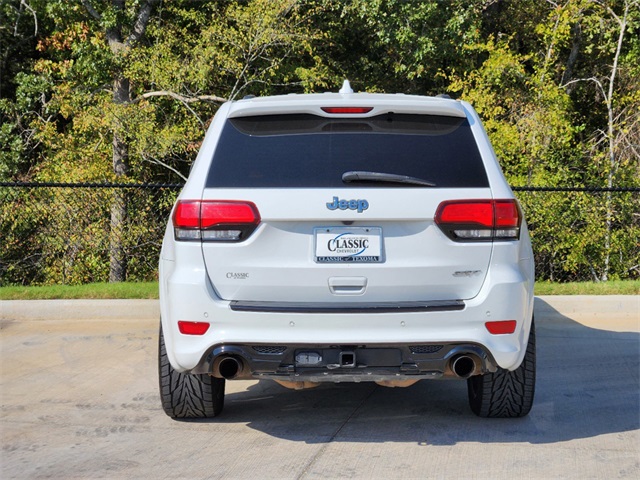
x=346 y=110
x=479 y=220
x=214 y=220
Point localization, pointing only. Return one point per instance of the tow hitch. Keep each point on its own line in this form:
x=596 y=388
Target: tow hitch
x=347 y=359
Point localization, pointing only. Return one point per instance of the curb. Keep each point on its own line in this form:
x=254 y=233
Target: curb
x=79 y=309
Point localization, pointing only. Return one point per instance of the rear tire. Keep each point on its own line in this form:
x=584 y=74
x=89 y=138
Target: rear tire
x=506 y=394
x=188 y=396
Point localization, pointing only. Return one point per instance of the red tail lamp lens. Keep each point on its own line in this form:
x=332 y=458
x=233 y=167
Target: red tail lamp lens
x=215 y=220
x=193 y=328
x=477 y=213
x=507 y=214
x=187 y=214
x=479 y=220
x=233 y=213
x=503 y=327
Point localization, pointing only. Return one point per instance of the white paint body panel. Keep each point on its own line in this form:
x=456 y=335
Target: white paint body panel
x=419 y=261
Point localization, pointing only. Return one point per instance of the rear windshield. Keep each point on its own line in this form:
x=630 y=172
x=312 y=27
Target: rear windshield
x=308 y=151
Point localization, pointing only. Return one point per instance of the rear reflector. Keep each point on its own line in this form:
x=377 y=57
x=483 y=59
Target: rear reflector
x=214 y=220
x=503 y=327
x=479 y=220
x=349 y=110
x=193 y=328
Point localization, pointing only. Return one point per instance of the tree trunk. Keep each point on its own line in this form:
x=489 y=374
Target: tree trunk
x=121 y=96
x=576 y=42
x=612 y=141
x=120 y=157
x=117 y=253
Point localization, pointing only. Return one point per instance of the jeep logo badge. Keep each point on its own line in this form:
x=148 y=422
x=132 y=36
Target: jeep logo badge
x=359 y=205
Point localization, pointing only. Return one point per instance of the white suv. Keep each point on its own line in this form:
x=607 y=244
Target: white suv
x=346 y=237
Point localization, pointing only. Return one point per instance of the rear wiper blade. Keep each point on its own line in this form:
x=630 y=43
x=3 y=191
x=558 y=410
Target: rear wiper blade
x=362 y=176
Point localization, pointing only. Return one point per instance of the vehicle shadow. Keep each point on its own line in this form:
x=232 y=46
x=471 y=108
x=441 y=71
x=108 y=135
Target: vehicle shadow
x=588 y=385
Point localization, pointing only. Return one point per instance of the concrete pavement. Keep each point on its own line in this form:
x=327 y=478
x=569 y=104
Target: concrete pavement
x=78 y=394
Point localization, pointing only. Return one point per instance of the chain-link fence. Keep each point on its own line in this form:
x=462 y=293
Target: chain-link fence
x=583 y=234
x=72 y=234
x=81 y=233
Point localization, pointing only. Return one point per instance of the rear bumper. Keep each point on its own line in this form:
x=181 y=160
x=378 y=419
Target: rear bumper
x=236 y=328
x=238 y=332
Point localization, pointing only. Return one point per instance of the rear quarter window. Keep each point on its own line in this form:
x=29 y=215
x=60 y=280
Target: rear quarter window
x=308 y=151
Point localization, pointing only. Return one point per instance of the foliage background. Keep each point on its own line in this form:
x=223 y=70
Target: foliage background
x=123 y=90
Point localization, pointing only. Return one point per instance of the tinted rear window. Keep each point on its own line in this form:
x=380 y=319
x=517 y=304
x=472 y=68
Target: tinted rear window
x=307 y=151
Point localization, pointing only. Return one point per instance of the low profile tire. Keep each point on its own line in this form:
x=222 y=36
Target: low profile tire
x=188 y=396
x=506 y=394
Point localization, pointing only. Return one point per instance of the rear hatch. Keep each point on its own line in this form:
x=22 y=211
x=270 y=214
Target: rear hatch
x=346 y=209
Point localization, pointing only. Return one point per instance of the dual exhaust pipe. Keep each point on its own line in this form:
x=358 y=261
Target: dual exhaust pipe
x=465 y=365
x=228 y=367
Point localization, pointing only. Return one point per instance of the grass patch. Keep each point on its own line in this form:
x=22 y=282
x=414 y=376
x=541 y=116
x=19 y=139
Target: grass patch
x=124 y=290
x=612 y=287
x=149 y=290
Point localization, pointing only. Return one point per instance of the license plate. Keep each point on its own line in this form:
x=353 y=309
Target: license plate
x=348 y=245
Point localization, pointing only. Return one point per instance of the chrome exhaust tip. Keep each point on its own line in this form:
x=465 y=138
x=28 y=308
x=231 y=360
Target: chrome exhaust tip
x=228 y=367
x=464 y=366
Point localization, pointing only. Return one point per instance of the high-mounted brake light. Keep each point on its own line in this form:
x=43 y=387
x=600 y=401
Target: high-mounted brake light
x=479 y=220
x=349 y=110
x=214 y=220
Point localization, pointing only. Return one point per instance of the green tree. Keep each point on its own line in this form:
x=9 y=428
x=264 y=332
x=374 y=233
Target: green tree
x=136 y=82
x=616 y=82
x=558 y=102
x=395 y=45
x=123 y=90
x=22 y=93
